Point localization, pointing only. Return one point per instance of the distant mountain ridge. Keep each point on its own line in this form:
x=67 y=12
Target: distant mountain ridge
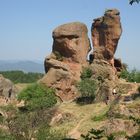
x=26 y=66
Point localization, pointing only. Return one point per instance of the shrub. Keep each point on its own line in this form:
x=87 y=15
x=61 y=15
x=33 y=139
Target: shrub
x=124 y=74
x=45 y=134
x=58 y=56
x=100 y=117
x=132 y=76
x=35 y=124
x=86 y=73
x=37 y=96
x=97 y=134
x=94 y=134
x=5 y=136
x=87 y=88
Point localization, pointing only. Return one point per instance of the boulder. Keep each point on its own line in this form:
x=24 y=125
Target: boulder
x=71 y=42
x=7 y=88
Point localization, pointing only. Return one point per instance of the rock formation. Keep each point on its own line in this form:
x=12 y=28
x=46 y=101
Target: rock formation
x=63 y=67
x=69 y=54
x=7 y=89
x=106 y=32
x=72 y=42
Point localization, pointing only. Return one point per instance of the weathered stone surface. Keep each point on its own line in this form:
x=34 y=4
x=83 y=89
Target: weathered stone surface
x=63 y=67
x=102 y=54
x=63 y=79
x=7 y=88
x=72 y=42
x=120 y=125
x=70 y=49
x=106 y=32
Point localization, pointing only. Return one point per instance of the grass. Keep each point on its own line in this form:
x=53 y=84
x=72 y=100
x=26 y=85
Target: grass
x=21 y=86
x=81 y=116
x=119 y=133
x=1 y=119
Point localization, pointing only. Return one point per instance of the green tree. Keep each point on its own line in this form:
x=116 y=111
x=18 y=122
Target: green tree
x=87 y=88
x=132 y=1
x=86 y=73
x=21 y=77
x=37 y=96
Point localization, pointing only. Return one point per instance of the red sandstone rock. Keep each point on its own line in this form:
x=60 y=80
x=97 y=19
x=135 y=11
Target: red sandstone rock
x=106 y=31
x=71 y=41
x=63 y=67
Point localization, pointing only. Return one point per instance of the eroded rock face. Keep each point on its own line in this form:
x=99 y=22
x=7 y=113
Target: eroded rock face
x=69 y=54
x=63 y=67
x=106 y=32
x=7 y=88
x=72 y=42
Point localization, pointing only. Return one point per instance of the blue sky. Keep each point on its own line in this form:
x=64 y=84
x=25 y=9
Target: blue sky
x=26 y=26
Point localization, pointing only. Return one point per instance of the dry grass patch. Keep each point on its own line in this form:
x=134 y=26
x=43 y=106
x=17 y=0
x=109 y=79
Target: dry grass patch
x=83 y=114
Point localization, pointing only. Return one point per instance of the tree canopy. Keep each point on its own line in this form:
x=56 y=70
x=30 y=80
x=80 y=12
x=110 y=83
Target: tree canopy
x=132 y=1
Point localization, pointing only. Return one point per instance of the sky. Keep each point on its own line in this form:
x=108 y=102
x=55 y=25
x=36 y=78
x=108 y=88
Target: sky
x=26 y=26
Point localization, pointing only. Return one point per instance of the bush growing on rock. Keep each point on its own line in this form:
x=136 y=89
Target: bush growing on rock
x=87 y=73
x=132 y=76
x=5 y=135
x=37 y=96
x=87 y=89
x=58 y=56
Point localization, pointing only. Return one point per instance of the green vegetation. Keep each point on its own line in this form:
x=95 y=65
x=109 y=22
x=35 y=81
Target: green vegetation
x=86 y=73
x=58 y=56
x=136 y=120
x=100 y=117
x=132 y=1
x=134 y=137
x=132 y=76
x=21 y=77
x=46 y=134
x=37 y=96
x=87 y=87
x=98 y=134
x=93 y=134
x=5 y=136
x=1 y=119
x=32 y=120
x=27 y=125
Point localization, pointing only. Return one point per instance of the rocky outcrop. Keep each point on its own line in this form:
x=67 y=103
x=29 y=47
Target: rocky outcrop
x=63 y=67
x=7 y=88
x=121 y=126
x=69 y=54
x=106 y=32
x=71 y=41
